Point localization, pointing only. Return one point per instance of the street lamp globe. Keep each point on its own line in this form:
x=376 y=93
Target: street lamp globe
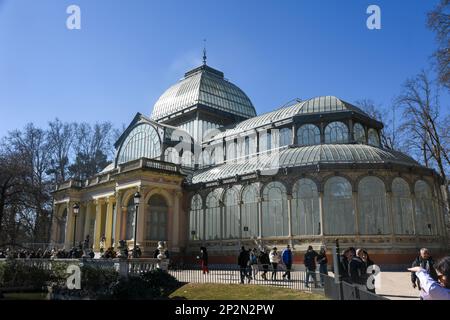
x=137 y=198
x=76 y=209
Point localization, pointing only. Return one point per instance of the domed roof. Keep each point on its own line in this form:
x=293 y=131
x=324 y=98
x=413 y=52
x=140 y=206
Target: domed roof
x=206 y=86
x=306 y=156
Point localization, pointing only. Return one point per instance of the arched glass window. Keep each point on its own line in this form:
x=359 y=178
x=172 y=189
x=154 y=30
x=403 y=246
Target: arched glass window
x=339 y=216
x=216 y=154
x=274 y=210
x=196 y=218
x=305 y=208
x=373 y=138
x=142 y=141
x=250 y=218
x=373 y=217
x=359 y=133
x=212 y=218
x=402 y=207
x=308 y=134
x=156 y=219
x=285 y=137
x=62 y=222
x=187 y=159
x=231 y=218
x=425 y=222
x=171 y=155
x=131 y=209
x=336 y=132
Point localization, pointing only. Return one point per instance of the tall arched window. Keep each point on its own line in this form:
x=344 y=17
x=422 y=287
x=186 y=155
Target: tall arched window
x=373 y=217
x=336 y=132
x=250 y=218
x=196 y=218
x=339 y=216
x=62 y=221
x=231 y=200
x=274 y=210
x=187 y=159
x=425 y=222
x=131 y=209
x=265 y=140
x=402 y=207
x=142 y=141
x=305 y=208
x=285 y=137
x=308 y=134
x=359 y=133
x=156 y=218
x=212 y=218
x=171 y=155
x=231 y=146
x=373 y=138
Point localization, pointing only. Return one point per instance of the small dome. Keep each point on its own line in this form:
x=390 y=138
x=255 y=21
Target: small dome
x=206 y=86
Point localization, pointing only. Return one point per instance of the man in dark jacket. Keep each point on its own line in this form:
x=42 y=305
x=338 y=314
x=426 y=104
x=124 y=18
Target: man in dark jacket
x=356 y=269
x=310 y=265
x=243 y=262
x=344 y=261
x=425 y=261
x=264 y=260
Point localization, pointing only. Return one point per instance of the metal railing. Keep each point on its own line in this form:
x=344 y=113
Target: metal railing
x=228 y=274
x=337 y=290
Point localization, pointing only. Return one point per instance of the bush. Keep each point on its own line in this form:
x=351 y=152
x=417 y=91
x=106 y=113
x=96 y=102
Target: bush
x=17 y=274
x=161 y=280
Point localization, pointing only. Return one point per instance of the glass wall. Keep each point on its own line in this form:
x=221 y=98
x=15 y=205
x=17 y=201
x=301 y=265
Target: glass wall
x=212 y=218
x=402 y=207
x=196 y=218
x=359 y=133
x=425 y=222
x=250 y=217
x=373 y=138
x=308 y=134
x=336 y=132
x=171 y=155
x=274 y=210
x=373 y=216
x=231 y=200
x=285 y=137
x=305 y=208
x=339 y=216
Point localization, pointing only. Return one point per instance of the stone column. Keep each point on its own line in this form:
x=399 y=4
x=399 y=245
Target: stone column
x=69 y=226
x=240 y=203
x=204 y=223
x=98 y=224
x=109 y=221
x=321 y=219
x=390 y=212
x=118 y=224
x=176 y=220
x=143 y=209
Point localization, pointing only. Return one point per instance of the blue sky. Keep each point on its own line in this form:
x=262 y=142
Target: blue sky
x=128 y=52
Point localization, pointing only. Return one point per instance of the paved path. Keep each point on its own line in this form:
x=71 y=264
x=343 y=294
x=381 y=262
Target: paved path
x=397 y=286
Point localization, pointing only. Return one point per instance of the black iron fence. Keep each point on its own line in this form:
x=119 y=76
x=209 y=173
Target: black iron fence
x=341 y=290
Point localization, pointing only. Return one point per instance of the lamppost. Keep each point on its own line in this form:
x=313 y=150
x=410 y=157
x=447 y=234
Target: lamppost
x=76 y=209
x=137 y=199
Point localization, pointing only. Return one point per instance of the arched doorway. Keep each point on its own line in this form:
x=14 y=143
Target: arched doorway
x=156 y=219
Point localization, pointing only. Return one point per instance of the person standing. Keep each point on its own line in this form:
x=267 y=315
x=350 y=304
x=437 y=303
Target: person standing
x=287 y=260
x=322 y=260
x=204 y=260
x=310 y=265
x=254 y=262
x=425 y=261
x=356 y=269
x=274 y=258
x=264 y=260
x=243 y=262
x=430 y=288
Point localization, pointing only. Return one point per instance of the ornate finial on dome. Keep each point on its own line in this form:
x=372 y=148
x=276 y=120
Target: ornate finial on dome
x=204 y=52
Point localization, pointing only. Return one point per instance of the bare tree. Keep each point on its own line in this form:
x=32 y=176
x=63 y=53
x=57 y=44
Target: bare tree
x=60 y=138
x=439 y=22
x=388 y=134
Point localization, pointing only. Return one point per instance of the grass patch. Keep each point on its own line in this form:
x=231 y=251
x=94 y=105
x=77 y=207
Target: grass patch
x=211 y=291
